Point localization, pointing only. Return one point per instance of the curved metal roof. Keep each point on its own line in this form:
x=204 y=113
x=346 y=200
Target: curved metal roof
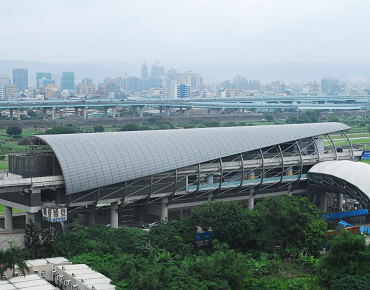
x=355 y=173
x=95 y=160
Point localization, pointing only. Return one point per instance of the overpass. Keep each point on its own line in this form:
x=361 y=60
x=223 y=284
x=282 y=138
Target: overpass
x=136 y=177
x=293 y=103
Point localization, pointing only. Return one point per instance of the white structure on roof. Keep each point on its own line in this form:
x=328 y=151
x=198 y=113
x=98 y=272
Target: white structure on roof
x=81 y=277
x=28 y=282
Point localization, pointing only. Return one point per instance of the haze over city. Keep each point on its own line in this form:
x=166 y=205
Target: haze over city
x=188 y=32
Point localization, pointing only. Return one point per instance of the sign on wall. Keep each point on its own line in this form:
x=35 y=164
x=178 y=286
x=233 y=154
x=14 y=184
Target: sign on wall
x=365 y=155
x=54 y=214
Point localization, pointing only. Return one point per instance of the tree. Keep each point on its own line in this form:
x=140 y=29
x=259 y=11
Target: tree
x=32 y=239
x=269 y=117
x=62 y=130
x=348 y=255
x=99 y=128
x=130 y=127
x=14 y=130
x=230 y=222
x=291 y=222
x=17 y=258
x=31 y=113
x=164 y=127
x=291 y=120
x=303 y=119
x=333 y=118
x=4 y=262
x=156 y=119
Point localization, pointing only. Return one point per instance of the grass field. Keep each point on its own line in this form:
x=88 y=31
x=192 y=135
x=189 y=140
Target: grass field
x=2 y=209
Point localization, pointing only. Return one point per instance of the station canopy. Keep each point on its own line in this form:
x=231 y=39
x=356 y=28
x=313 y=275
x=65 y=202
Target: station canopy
x=94 y=160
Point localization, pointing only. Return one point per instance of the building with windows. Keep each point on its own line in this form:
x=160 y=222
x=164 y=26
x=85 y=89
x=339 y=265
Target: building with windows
x=40 y=76
x=330 y=85
x=20 y=78
x=182 y=91
x=4 y=80
x=11 y=92
x=86 y=87
x=67 y=81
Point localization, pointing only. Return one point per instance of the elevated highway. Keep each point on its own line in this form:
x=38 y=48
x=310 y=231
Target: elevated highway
x=294 y=103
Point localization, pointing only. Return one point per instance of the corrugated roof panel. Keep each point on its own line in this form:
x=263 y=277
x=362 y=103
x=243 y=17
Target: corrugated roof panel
x=108 y=158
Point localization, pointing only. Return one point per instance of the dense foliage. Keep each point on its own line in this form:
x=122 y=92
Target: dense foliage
x=274 y=246
x=14 y=130
x=62 y=130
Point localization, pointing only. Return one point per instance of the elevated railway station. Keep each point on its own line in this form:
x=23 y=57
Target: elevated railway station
x=130 y=178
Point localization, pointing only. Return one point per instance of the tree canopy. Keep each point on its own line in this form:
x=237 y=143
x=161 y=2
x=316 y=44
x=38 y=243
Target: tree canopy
x=14 y=130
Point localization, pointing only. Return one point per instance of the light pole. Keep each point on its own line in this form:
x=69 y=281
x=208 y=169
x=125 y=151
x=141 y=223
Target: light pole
x=10 y=240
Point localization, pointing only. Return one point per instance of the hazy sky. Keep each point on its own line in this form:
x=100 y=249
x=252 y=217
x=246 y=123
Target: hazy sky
x=193 y=31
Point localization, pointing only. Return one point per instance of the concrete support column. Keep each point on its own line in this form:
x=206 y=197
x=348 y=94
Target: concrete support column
x=44 y=113
x=11 y=114
x=35 y=216
x=105 y=112
x=84 y=112
x=76 y=112
x=53 y=113
x=243 y=111
x=114 y=215
x=160 y=110
x=114 y=112
x=314 y=198
x=323 y=201
x=141 y=112
x=168 y=112
x=8 y=218
x=164 y=209
x=251 y=200
x=208 y=111
x=182 y=216
x=250 y=175
x=340 y=201
x=133 y=111
x=18 y=114
x=209 y=179
x=210 y=196
x=91 y=214
x=188 y=111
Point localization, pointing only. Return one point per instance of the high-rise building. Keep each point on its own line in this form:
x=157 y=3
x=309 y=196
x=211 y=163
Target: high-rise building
x=4 y=80
x=42 y=75
x=86 y=87
x=144 y=72
x=132 y=84
x=191 y=79
x=157 y=70
x=11 y=92
x=182 y=91
x=20 y=78
x=112 y=87
x=329 y=85
x=67 y=81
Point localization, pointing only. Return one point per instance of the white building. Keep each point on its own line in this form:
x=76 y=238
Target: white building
x=11 y=92
x=4 y=80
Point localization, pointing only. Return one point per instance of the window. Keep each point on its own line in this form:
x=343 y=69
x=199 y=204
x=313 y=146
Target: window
x=43 y=274
x=35 y=271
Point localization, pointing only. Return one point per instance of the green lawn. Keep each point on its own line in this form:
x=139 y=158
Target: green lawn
x=2 y=209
